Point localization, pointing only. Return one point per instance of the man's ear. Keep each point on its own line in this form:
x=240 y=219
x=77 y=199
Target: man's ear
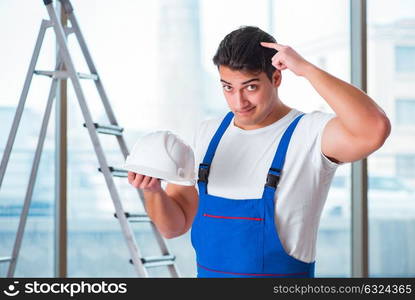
x=276 y=78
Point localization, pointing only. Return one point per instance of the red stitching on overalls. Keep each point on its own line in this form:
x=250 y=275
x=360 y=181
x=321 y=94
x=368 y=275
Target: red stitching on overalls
x=249 y=274
x=223 y=217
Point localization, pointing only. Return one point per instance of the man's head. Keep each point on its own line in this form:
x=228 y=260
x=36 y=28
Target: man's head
x=248 y=77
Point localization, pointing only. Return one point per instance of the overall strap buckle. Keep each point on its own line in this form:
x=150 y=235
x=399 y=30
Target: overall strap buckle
x=203 y=173
x=273 y=177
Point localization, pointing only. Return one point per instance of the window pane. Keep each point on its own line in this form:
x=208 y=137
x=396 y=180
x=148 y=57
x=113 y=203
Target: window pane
x=405 y=58
x=405 y=166
x=391 y=38
x=18 y=40
x=405 y=111
x=328 y=48
x=158 y=74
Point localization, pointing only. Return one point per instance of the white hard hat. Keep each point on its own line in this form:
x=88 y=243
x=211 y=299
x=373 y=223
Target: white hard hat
x=163 y=155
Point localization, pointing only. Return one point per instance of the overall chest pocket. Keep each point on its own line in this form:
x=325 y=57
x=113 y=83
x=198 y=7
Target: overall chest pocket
x=231 y=243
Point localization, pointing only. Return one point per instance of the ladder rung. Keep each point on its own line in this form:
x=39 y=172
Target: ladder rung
x=158 y=264
x=136 y=218
x=47 y=73
x=5 y=259
x=64 y=74
x=47 y=23
x=117 y=172
x=87 y=76
x=108 y=129
x=150 y=259
x=68 y=30
x=157 y=261
x=140 y=220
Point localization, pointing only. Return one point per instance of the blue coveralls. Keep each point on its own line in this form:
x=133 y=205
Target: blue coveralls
x=238 y=238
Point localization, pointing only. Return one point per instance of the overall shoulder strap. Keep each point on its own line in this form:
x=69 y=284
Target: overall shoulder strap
x=204 y=167
x=274 y=172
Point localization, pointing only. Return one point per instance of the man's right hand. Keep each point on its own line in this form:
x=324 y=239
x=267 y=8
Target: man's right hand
x=172 y=210
x=146 y=183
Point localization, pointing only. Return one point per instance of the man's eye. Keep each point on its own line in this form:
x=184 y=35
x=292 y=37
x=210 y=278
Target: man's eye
x=227 y=88
x=251 y=87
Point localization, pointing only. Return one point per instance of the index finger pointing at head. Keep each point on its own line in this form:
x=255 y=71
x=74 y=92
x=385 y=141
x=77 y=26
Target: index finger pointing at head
x=271 y=45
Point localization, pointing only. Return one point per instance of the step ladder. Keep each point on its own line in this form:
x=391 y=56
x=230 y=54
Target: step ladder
x=65 y=69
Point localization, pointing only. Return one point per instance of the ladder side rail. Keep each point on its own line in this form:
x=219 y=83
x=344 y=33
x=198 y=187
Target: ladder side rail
x=20 y=107
x=66 y=57
x=98 y=82
x=32 y=180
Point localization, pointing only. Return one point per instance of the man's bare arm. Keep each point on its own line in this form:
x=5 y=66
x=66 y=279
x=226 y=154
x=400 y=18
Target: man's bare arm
x=360 y=126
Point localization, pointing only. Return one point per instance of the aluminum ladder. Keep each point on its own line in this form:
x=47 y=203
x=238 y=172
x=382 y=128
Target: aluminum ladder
x=65 y=69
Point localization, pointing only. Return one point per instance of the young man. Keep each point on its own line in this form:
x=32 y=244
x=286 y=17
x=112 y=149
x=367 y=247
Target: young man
x=265 y=168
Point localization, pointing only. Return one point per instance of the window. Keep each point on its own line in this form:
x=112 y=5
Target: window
x=405 y=59
x=405 y=165
x=150 y=41
x=328 y=48
x=405 y=111
x=37 y=252
x=391 y=169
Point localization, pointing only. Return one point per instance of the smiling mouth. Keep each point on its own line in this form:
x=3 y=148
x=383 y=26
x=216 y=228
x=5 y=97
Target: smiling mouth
x=246 y=111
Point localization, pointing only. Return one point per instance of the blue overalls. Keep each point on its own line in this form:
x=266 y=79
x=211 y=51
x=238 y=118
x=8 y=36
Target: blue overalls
x=238 y=238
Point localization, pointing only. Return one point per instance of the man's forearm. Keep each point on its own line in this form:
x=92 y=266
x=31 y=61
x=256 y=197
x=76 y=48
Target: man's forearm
x=165 y=213
x=359 y=114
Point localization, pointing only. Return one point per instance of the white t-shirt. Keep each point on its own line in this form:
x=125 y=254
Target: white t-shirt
x=243 y=158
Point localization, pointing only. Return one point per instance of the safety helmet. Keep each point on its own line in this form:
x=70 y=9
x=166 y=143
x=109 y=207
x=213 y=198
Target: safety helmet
x=163 y=155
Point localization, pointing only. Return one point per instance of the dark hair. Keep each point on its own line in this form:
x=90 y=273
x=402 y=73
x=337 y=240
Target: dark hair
x=241 y=50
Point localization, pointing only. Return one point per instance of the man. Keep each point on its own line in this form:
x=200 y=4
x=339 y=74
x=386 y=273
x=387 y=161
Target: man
x=242 y=224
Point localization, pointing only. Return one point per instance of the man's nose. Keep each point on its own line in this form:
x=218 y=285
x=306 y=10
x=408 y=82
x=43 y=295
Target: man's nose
x=240 y=100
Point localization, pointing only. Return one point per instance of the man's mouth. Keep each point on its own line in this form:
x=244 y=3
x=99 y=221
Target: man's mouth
x=246 y=111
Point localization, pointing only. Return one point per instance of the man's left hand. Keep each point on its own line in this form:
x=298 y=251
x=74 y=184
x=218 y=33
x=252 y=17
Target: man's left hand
x=287 y=58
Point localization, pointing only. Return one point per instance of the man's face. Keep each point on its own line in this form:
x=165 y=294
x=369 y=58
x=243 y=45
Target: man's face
x=250 y=97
